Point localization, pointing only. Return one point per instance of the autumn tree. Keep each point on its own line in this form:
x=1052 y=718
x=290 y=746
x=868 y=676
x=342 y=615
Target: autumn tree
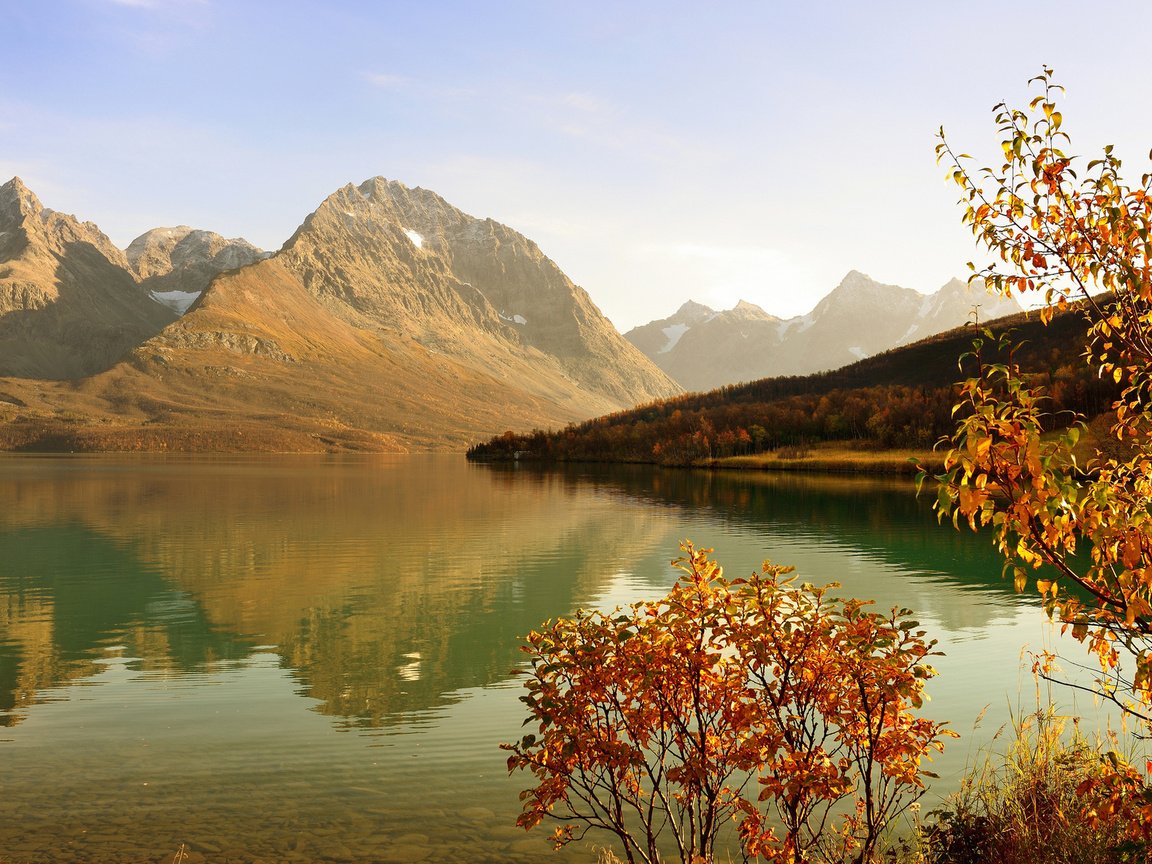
x=757 y=703
x=1065 y=516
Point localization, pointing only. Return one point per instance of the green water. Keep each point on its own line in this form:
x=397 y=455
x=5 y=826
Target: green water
x=307 y=659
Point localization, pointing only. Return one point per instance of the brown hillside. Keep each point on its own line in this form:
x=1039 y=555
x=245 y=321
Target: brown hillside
x=358 y=334
x=69 y=306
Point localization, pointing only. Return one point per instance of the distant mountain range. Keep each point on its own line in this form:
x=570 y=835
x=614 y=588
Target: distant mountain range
x=389 y=320
x=702 y=349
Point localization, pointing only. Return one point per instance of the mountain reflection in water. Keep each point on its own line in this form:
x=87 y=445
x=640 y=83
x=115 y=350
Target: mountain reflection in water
x=186 y=638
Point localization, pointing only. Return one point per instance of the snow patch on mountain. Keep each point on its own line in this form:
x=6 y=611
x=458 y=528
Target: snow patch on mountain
x=417 y=240
x=177 y=301
x=800 y=322
x=673 y=334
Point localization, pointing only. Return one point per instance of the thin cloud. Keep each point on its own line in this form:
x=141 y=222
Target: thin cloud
x=414 y=86
x=588 y=104
x=603 y=123
x=388 y=82
x=160 y=5
x=156 y=28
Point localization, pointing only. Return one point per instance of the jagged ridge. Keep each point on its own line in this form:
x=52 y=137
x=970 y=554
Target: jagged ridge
x=858 y=319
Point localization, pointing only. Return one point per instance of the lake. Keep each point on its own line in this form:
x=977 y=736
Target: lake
x=309 y=658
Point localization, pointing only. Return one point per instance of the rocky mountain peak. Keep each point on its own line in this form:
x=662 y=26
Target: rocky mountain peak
x=17 y=201
x=381 y=190
x=359 y=252
x=861 y=284
x=378 y=210
x=858 y=291
x=745 y=310
x=177 y=263
x=34 y=229
x=164 y=249
x=69 y=306
x=150 y=243
x=410 y=263
x=958 y=300
x=692 y=308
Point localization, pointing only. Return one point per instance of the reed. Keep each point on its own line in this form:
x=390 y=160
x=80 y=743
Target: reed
x=1019 y=804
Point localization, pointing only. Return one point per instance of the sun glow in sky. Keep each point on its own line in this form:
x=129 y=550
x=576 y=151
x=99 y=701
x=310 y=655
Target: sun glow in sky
x=657 y=151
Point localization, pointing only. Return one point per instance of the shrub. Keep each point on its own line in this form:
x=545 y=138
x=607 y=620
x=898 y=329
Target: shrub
x=658 y=722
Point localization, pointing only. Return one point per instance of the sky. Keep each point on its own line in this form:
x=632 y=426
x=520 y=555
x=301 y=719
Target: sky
x=656 y=151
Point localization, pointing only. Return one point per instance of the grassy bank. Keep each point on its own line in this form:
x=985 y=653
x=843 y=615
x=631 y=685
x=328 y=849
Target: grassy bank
x=835 y=458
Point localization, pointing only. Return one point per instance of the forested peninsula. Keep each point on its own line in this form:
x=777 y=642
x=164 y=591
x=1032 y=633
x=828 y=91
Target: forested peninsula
x=901 y=400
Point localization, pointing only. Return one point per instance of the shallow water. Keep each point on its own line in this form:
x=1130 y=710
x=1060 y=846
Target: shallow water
x=308 y=658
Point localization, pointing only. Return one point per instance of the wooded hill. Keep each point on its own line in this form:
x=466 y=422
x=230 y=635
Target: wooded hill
x=902 y=398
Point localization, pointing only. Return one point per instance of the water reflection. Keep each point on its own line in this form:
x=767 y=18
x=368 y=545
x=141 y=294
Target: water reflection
x=59 y=618
x=870 y=534
x=387 y=586
x=384 y=589
x=272 y=655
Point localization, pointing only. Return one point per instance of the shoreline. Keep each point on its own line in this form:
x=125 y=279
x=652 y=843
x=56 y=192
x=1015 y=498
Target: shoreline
x=820 y=459
x=838 y=460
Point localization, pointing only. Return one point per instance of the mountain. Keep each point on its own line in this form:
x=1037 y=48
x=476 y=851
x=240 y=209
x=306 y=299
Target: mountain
x=954 y=304
x=472 y=289
x=703 y=349
x=660 y=337
x=69 y=306
x=390 y=320
x=176 y=264
x=698 y=346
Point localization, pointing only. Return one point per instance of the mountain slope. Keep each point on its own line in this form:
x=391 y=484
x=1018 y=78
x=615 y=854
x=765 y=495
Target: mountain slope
x=407 y=261
x=660 y=337
x=744 y=337
x=359 y=333
x=69 y=307
x=859 y=318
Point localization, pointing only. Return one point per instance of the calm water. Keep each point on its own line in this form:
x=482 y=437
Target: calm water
x=296 y=658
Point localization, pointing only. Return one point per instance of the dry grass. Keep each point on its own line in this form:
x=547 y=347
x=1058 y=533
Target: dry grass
x=837 y=458
x=1019 y=805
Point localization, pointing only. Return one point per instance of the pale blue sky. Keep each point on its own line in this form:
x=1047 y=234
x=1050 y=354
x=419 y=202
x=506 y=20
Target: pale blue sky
x=657 y=151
